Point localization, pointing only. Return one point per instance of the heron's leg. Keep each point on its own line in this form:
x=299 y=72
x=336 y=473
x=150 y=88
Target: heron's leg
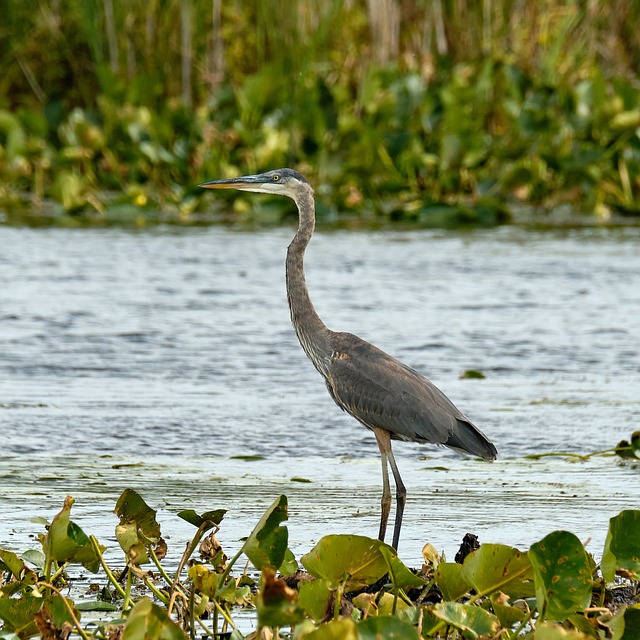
x=401 y=497
x=384 y=444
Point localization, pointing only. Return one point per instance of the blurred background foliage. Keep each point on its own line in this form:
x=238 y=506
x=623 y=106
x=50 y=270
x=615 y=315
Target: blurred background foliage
x=429 y=112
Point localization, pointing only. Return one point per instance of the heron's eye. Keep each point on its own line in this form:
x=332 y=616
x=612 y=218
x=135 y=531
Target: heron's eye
x=276 y=178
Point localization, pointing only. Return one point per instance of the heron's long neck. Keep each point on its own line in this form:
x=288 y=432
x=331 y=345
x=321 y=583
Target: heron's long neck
x=311 y=331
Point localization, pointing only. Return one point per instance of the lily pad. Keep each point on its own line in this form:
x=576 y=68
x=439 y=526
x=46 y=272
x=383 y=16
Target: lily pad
x=148 y=620
x=401 y=576
x=138 y=526
x=315 y=597
x=495 y=567
x=198 y=520
x=549 y=631
x=625 y=625
x=335 y=630
x=473 y=621
x=562 y=575
x=204 y=580
x=19 y=614
x=386 y=627
x=67 y=542
x=355 y=561
x=267 y=544
x=622 y=545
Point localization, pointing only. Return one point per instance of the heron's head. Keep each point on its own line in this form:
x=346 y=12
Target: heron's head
x=282 y=182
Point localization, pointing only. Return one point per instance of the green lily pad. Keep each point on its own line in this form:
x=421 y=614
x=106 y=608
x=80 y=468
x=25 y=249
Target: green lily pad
x=267 y=544
x=197 y=520
x=386 y=627
x=204 y=580
x=451 y=581
x=547 y=631
x=9 y=561
x=473 y=621
x=315 y=597
x=67 y=542
x=355 y=561
x=401 y=576
x=148 y=620
x=495 y=567
x=138 y=526
x=289 y=565
x=625 y=625
x=562 y=575
x=622 y=545
x=96 y=605
x=335 y=630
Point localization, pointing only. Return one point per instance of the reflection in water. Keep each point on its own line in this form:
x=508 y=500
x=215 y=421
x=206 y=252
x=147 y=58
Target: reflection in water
x=175 y=346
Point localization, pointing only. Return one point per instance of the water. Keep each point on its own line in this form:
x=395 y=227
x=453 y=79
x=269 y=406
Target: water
x=150 y=359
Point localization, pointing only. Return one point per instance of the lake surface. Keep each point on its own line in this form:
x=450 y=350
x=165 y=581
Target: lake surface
x=153 y=359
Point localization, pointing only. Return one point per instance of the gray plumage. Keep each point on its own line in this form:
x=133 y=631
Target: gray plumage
x=382 y=393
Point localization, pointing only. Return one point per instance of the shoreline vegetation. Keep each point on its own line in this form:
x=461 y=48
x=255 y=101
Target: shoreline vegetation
x=430 y=114
x=347 y=586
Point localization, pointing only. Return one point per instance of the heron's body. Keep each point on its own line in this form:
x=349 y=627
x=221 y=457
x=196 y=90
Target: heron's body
x=382 y=393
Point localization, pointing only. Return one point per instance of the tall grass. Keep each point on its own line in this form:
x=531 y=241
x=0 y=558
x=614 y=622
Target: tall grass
x=392 y=105
x=154 y=50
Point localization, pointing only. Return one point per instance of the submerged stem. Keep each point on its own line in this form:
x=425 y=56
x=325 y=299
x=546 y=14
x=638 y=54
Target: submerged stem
x=205 y=526
x=108 y=572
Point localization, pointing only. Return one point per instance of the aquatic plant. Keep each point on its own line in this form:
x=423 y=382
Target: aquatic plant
x=353 y=587
x=112 y=115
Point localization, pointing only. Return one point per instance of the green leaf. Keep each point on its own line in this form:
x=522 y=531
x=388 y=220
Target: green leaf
x=495 y=567
x=67 y=542
x=138 y=527
x=547 y=631
x=315 y=597
x=386 y=627
x=562 y=575
x=353 y=560
x=204 y=580
x=387 y=602
x=233 y=594
x=451 y=581
x=267 y=544
x=9 y=561
x=148 y=621
x=34 y=557
x=622 y=545
x=625 y=625
x=400 y=574
x=507 y=614
x=19 y=614
x=289 y=565
x=473 y=621
x=197 y=520
x=335 y=630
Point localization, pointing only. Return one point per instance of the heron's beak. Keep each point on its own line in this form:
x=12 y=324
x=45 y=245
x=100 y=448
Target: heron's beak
x=248 y=183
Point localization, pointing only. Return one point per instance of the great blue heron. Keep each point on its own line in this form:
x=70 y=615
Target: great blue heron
x=382 y=393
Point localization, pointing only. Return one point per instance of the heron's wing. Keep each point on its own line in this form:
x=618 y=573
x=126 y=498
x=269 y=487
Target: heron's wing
x=382 y=392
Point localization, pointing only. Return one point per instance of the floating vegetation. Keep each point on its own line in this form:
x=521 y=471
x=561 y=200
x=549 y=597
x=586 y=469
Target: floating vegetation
x=624 y=449
x=349 y=586
x=472 y=374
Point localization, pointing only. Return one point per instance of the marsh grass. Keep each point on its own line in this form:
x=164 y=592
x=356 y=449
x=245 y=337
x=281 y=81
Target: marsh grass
x=441 y=113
